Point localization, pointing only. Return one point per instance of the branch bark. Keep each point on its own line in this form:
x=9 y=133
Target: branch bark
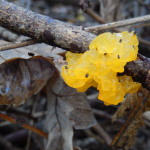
x=43 y=28
x=48 y=30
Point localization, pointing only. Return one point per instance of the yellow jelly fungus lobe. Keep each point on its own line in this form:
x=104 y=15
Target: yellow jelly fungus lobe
x=99 y=66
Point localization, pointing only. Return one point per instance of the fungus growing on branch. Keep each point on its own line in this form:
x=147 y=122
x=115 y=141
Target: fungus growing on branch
x=99 y=66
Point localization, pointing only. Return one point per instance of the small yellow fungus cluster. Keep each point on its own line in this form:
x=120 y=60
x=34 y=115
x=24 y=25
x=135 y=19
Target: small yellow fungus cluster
x=98 y=67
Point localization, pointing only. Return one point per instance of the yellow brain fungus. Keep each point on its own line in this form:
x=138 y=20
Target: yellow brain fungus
x=98 y=67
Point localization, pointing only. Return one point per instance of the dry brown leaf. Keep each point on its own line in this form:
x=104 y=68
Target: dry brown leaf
x=20 y=79
x=136 y=105
x=66 y=109
x=21 y=76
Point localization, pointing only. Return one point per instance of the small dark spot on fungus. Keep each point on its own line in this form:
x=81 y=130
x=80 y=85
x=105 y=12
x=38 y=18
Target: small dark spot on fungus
x=105 y=53
x=120 y=40
x=118 y=57
x=133 y=46
x=66 y=67
x=87 y=75
x=31 y=54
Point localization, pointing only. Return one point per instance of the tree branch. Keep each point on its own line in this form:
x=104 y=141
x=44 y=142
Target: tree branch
x=45 y=29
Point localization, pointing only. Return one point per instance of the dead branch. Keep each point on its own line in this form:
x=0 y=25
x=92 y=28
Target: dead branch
x=45 y=29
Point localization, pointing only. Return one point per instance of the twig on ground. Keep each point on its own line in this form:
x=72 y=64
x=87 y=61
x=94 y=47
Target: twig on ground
x=145 y=42
x=9 y=46
x=91 y=134
x=122 y=23
x=103 y=133
x=92 y=14
x=20 y=113
x=95 y=16
x=33 y=108
x=24 y=125
x=106 y=115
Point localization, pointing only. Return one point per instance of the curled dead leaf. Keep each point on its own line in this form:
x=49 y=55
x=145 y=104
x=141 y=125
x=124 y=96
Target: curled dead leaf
x=20 y=79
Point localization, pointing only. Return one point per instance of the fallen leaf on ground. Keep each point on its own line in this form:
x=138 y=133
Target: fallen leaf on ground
x=20 y=79
x=66 y=109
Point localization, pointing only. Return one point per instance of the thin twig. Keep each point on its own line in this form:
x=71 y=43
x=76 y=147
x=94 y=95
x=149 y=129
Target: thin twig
x=98 y=18
x=145 y=42
x=103 y=133
x=117 y=24
x=91 y=134
x=95 y=16
x=106 y=115
x=92 y=14
x=20 y=112
x=24 y=125
x=13 y=45
x=33 y=108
